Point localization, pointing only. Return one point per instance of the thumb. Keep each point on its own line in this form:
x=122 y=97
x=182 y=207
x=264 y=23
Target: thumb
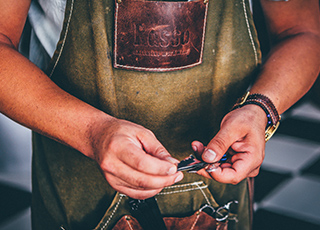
x=218 y=146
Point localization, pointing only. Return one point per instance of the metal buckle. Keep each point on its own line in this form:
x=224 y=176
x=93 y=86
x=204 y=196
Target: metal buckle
x=270 y=131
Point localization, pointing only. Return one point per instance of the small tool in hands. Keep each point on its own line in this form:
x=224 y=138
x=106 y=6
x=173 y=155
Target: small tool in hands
x=193 y=165
x=147 y=211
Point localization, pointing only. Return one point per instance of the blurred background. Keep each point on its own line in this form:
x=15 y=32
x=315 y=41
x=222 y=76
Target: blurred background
x=286 y=190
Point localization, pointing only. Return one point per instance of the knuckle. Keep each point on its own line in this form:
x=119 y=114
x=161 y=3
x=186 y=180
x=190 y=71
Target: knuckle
x=145 y=195
x=141 y=183
x=235 y=181
x=149 y=132
x=259 y=159
x=141 y=196
x=140 y=165
x=113 y=144
x=146 y=133
x=254 y=174
x=107 y=168
x=161 y=152
x=220 y=143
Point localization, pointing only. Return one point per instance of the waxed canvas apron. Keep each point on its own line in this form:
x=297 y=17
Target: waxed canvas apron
x=178 y=106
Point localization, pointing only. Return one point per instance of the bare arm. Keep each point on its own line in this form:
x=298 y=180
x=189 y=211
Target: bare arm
x=29 y=97
x=294 y=61
x=289 y=71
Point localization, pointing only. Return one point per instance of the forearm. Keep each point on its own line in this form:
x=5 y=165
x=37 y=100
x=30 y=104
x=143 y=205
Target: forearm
x=29 y=97
x=287 y=74
x=290 y=70
x=294 y=61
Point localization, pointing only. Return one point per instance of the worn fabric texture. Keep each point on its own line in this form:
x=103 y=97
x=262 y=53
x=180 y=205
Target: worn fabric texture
x=69 y=191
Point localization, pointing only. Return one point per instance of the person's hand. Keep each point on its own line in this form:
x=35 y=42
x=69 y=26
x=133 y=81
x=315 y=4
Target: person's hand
x=132 y=160
x=242 y=136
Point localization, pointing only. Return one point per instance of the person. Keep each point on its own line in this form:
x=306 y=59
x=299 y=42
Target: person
x=112 y=124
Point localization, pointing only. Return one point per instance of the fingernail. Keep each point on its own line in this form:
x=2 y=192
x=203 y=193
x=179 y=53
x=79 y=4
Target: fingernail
x=195 y=149
x=172 y=170
x=209 y=155
x=178 y=178
x=172 y=160
x=211 y=168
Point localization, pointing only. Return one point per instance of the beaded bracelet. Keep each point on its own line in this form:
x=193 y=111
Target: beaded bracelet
x=268 y=107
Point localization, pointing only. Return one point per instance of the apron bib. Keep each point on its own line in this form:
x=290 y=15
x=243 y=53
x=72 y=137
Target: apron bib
x=179 y=106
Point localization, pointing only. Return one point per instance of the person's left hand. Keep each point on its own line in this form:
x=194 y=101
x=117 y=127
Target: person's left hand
x=242 y=136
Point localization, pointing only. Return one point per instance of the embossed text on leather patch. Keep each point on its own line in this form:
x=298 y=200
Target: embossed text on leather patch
x=159 y=36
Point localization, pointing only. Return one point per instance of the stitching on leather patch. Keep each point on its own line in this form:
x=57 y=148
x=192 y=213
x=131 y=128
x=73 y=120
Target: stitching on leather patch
x=129 y=224
x=159 y=35
x=195 y=222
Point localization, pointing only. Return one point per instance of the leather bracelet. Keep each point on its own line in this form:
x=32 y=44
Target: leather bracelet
x=268 y=107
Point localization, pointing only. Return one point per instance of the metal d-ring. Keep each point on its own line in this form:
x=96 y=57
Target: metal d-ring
x=226 y=207
x=207 y=206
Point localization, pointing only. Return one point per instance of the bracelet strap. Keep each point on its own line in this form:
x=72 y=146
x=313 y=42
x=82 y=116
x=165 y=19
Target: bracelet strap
x=268 y=107
x=266 y=103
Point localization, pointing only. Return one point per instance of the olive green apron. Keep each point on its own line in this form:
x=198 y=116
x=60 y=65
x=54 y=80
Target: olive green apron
x=69 y=191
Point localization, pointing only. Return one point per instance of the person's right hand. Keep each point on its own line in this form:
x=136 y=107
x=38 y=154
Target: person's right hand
x=132 y=160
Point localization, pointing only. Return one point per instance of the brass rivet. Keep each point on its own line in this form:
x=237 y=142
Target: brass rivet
x=119 y=1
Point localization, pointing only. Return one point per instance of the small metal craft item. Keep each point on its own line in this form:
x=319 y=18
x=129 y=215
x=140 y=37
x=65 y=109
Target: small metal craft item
x=192 y=165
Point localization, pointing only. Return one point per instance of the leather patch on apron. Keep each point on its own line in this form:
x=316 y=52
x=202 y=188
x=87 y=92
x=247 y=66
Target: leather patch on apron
x=198 y=221
x=159 y=36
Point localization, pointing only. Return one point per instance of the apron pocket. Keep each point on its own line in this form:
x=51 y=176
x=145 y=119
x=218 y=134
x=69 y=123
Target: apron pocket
x=183 y=206
x=198 y=221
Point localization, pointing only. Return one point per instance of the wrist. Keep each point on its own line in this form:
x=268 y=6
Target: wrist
x=267 y=106
x=97 y=129
x=256 y=114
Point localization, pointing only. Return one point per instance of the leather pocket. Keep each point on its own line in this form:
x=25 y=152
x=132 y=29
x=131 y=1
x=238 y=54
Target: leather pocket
x=183 y=206
x=198 y=221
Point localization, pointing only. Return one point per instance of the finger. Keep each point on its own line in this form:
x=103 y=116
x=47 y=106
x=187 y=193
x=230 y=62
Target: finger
x=164 y=155
x=228 y=175
x=242 y=165
x=219 y=145
x=138 y=159
x=153 y=147
x=131 y=152
x=140 y=195
x=137 y=179
x=124 y=188
x=197 y=147
x=255 y=172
